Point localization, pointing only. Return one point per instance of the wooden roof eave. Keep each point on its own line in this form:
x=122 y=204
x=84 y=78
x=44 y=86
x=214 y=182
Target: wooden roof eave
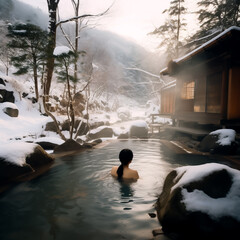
x=173 y=65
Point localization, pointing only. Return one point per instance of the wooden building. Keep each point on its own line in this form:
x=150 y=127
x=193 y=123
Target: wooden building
x=207 y=91
x=168 y=98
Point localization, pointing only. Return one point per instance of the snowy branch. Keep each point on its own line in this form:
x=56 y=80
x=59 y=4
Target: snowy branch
x=83 y=16
x=148 y=73
x=205 y=37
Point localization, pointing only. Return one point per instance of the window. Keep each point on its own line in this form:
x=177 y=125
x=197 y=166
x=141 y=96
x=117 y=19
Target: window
x=188 y=90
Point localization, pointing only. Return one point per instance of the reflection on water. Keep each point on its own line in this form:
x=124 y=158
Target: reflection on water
x=125 y=189
x=79 y=199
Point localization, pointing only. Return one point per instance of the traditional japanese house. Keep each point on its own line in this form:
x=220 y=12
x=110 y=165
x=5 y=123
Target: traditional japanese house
x=207 y=91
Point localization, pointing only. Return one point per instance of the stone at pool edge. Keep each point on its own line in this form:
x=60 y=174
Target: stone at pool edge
x=71 y=146
x=175 y=219
x=10 y=172
x=68 y=146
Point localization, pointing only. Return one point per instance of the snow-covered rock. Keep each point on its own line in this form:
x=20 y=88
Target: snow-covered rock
x=49 y=143
x=59 y=50
x=138 y=129
x=201 y=202
x=19 y=158
x=68 y=146
x=10 y=109
x=123 y=113
x=219 y=141
x=100 y=132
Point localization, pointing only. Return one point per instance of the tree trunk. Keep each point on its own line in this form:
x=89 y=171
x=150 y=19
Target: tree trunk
x=70 y=103
x=52 y=9
x=35 y=77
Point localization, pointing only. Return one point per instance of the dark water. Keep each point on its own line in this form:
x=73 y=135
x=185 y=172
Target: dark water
x=78 y=198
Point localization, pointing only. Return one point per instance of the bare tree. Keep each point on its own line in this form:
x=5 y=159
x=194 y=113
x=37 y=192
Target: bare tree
x=53 y=25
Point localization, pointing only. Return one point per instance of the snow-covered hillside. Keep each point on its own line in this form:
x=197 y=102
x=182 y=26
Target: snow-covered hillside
x=111 y=54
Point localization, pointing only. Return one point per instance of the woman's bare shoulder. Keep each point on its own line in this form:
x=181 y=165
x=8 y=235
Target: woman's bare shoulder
x=114 y=170
x=133 y=174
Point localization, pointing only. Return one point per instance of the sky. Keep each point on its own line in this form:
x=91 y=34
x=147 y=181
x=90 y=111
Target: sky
x=133 y=19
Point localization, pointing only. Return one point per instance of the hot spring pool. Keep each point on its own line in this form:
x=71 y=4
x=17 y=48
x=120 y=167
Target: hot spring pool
x=79 y=199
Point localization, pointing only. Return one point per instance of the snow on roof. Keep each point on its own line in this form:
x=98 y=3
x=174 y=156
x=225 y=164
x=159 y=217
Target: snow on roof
x=16 y=152
x=225 y=136
x=61 y=50
x=207 y=43
x=199 y=201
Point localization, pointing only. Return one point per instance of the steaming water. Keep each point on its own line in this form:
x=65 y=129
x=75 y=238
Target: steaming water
x=79 y=199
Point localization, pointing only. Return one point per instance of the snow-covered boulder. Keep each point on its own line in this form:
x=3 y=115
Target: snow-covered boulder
x=68 y=146
x=100 y=132
x=10 y=109
x=19 y=158
x=201 y=202
x=219 y=141
x=123 y=113
x=138 y=129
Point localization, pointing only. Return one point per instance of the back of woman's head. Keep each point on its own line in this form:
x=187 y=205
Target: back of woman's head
x=125 y=157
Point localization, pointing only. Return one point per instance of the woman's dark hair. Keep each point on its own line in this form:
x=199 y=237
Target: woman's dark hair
x=125 y=157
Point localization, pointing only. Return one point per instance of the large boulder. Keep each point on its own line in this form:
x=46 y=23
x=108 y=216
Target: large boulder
x=38 y=158
x=139 y=129
x=100 y=132
x=10 y=109
x=221 y=141
x=19 y=159
x=201 y=202
x=68 y=146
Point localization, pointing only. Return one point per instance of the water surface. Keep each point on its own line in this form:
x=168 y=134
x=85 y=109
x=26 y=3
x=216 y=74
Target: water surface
x=79 y=199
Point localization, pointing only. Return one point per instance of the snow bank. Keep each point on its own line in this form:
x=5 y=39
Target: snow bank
x=199 y=201
x=225 y=136
x=16 y=152
x=8 y=105
x=55 y=140
x=61 y=50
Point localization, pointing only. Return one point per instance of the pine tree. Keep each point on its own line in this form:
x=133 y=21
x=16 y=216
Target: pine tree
x=215 y=17
x=170 y=31
x=29 y=43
